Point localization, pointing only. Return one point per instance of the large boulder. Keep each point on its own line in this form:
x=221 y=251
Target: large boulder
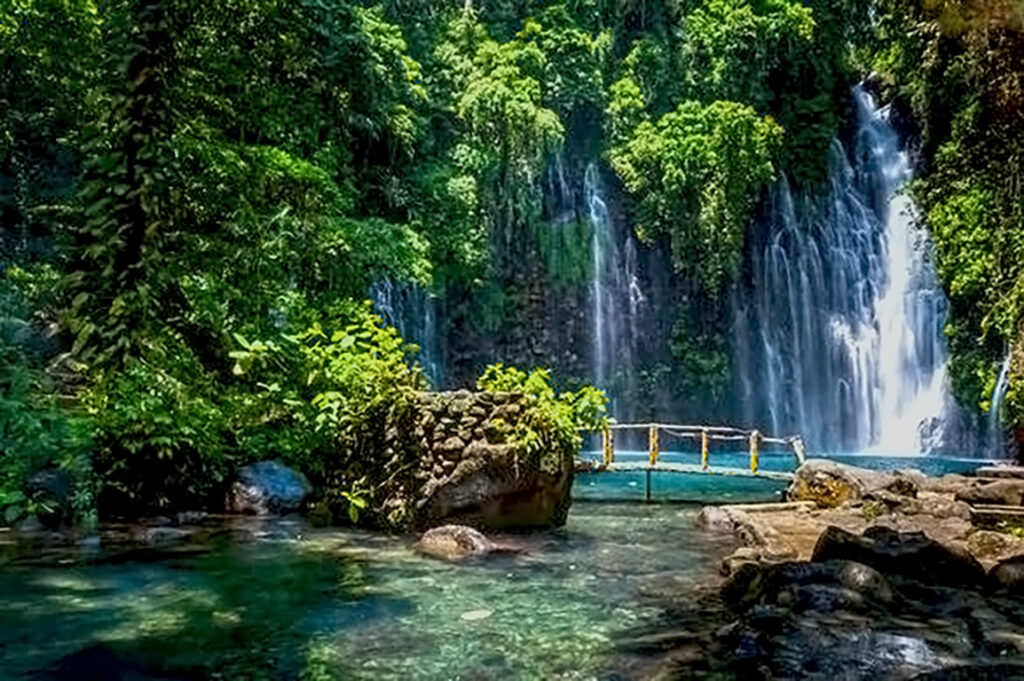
x=490 y=487
x=1009 y=574
x=910 y=555
x=267 y=488
x=822 y=586
x=827 y=483
x=830 y=484
x=988 y=544
x=998 y=492
x=458 y=458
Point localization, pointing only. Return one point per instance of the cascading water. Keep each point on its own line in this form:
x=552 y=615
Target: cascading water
x=413 y=312
x=615 y=292
x=995 y=429
x=561 y=206
x=839 y=335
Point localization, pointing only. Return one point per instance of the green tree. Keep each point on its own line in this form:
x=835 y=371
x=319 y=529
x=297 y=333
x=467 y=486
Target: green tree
x=696 y=176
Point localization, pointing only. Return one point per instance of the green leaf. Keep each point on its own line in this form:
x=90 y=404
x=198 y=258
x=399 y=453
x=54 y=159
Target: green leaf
x=241 y=341
x=12 y=513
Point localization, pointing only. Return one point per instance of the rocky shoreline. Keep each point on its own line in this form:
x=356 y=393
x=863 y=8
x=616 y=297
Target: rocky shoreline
x=867 y=575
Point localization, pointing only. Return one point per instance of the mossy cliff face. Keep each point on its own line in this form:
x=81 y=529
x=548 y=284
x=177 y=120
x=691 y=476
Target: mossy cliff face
x=452 y=457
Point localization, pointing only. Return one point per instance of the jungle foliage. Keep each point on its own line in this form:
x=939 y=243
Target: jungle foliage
x=957 y=67
x=184 y=178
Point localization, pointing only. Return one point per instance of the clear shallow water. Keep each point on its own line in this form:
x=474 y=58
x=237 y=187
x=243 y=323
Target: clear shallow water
x=702 y=488
x=283 y=601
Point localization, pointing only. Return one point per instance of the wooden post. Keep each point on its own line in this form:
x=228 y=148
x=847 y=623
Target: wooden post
x=798 y=449
x=704 y=449
x=654 y=445
x=755 y=439
x=608 y=445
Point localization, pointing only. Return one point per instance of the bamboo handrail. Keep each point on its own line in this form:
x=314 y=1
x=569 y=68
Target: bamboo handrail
x=754 y=439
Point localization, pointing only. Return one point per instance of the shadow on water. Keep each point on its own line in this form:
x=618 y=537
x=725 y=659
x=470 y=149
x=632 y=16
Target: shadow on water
x=229 y=608
x=285 y=601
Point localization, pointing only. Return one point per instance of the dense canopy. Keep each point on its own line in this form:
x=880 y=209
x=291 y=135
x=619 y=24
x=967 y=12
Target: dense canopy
x=195 y=198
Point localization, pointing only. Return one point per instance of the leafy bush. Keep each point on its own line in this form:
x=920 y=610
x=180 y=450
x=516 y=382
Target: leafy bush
x=39 y=438
x=35 y=436
x=360 y=374
x=325 y=397
x=553 y=424
x=160 y=439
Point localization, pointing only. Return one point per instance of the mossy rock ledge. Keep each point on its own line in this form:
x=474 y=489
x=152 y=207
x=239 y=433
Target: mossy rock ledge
x=452 y=457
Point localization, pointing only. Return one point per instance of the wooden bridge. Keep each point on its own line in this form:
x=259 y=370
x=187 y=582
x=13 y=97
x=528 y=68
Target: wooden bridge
x=705 y=434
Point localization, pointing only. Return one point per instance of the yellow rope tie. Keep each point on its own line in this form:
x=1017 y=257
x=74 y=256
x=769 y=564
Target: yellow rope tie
x=704 y=450
x=755 y=439
x=654 y=446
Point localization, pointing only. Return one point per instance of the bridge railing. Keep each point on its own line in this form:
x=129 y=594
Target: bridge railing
x=706 y=434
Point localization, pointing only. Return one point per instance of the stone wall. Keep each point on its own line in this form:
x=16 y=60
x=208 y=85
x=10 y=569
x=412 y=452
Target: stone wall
x=454 y=459
x=472 y=474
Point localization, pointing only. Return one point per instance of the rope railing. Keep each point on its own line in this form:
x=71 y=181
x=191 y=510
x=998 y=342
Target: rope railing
x=754 y=439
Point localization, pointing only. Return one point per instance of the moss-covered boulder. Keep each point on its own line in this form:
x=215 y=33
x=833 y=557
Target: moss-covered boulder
x=458 y=457
x=826 y=483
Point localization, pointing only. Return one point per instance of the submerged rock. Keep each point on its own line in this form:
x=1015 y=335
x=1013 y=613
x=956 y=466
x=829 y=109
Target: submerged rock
x=454 y=542
x=101 y=663
x=476 y=615
x=267 y=487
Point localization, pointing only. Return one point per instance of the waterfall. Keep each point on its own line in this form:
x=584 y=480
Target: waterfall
x=616 y=296
x=413 y=312
x=559 y=194
x=838 y=333
x=601 y=254
x=995 y=428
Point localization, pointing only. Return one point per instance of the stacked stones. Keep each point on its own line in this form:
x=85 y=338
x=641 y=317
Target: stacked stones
x=453 y=425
